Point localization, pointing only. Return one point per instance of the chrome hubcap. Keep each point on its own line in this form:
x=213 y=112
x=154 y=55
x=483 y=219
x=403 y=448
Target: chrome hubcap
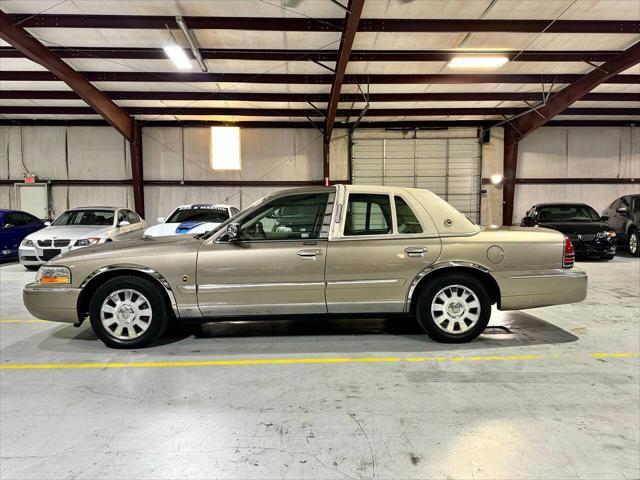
x=633 y=242
x=126 y=314
x=455 y=309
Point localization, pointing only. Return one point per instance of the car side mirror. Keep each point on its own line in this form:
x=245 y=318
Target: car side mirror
x=528 y=222
x=47 y=224
x=160 y=219
x=623 y=209
x=604 y=218
x=233 y=232
x=124 y=223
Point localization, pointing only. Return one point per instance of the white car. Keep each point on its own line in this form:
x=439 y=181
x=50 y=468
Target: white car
x=76 y=228
x=190 y=219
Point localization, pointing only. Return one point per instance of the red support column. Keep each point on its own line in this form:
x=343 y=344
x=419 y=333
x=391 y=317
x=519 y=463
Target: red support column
x=136 y=169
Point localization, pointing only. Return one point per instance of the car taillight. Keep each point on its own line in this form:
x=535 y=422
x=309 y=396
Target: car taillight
x=568 y=254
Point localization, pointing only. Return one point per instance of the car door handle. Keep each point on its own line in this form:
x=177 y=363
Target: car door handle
x=415 y=251
x=309 y=253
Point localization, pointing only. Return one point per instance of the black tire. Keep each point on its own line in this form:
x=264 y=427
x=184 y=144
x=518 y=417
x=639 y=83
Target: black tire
x=427 y=296
x=159 y=311
x=32 y=268
x=634 y=251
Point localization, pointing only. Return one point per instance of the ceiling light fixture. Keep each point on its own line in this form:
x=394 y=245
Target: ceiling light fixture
x=477 y=62
x=192 y=43
x=176 y=53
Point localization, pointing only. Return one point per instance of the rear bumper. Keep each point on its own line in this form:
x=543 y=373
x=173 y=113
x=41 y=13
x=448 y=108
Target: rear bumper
x=57 y=304
x=541 y=289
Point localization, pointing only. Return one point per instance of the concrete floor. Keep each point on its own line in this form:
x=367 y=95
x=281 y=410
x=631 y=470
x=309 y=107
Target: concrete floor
x=547 y=399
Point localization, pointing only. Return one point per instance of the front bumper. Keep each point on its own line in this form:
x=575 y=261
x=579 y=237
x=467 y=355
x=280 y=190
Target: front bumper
x=39 y=255
x=51 y=302
x=542 y=289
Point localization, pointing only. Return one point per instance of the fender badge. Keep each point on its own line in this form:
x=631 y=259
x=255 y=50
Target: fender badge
x=184 y=278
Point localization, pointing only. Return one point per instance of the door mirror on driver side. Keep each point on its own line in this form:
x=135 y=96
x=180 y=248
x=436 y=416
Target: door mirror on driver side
x=124 y=223
x=604 y=218
x=528 y=222
x=623 y=209
x=160 y=219
x=233 y=232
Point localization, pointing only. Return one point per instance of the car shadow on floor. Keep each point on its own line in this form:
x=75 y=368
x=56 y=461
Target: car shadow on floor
x=321 y=336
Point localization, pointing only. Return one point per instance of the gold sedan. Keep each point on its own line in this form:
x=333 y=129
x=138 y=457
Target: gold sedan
x=346 y=249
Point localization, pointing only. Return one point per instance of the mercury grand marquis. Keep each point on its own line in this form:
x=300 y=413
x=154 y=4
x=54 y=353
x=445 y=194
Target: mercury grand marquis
x=345 y=249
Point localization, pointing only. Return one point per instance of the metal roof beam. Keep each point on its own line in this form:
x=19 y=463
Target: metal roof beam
x=313 y=112
x=313 y=97
x=322 y=55
x=352 y=19
x=37 y=52
x=295 y=24
x=438 y=78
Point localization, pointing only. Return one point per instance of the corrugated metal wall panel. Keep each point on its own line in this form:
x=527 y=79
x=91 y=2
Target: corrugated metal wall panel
x=449 y=167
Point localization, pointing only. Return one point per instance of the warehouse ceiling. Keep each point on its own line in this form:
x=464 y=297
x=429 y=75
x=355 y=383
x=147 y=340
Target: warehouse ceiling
x=273 y=60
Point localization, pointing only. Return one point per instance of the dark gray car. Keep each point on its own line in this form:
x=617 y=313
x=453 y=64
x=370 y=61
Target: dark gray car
x=624 y=217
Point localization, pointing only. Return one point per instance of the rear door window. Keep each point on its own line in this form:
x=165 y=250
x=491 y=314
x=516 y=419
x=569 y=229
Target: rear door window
x=407 y=220
x=368 y=214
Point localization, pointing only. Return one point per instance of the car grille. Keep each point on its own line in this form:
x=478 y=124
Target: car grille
x=64 y=242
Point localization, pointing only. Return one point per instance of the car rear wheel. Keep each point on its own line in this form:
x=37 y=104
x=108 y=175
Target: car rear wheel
x=634 y=239
x=454 y=308
x=128 y=312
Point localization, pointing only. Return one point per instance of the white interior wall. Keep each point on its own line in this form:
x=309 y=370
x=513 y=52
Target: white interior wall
x=268 y=154
x=66 y=153
x=577 y=152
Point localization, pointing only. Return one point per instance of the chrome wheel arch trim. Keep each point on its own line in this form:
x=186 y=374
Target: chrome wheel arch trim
x=138 y=268
x=434 y=268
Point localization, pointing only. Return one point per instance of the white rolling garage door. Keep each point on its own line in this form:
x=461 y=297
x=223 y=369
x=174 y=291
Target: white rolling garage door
x=449 y=167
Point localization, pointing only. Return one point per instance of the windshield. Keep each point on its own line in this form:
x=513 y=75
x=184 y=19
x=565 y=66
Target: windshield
x=567 y=213
x=204 y=213
x=85 y=217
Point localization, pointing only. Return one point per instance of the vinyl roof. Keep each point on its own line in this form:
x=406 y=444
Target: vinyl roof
x=271 y=72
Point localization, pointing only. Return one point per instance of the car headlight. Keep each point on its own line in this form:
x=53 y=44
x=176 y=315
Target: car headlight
x=85 y=242
x=603 y=235
x=52 y=274
x=27 y=243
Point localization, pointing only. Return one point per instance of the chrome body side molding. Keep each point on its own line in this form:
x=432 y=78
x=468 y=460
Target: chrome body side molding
x=433 y=268
x=141 y=269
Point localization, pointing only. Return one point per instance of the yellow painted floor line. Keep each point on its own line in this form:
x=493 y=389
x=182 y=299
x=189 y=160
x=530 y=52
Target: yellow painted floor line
x=25 y=321
x=295 y=361
x=616 y=355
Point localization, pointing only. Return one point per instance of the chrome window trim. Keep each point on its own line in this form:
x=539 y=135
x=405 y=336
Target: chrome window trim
x=438 y=266
x=138 y=268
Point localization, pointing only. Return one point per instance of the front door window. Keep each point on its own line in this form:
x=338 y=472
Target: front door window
x=295 y=217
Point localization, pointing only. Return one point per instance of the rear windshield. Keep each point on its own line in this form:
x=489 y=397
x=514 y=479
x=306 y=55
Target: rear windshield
x=199 y=214
x=567 y=213
x=85 y=217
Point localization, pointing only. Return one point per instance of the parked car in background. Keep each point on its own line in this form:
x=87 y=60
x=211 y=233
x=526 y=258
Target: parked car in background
x=192 y=219
x=623 y=216
x=79 y=227
x=14 y=226
x=590 y=235
x=340 y=250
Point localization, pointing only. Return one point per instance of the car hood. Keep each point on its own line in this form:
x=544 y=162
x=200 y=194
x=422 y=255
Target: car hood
x=180 y=228
x=69 y=231
x=577 y=227
x=120 y=251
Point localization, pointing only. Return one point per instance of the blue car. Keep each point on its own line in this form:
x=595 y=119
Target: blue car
x=14 y=226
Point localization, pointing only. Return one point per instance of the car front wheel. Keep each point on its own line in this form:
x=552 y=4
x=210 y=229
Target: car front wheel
x=454 y=308
x=128 y=312
x=634 y=239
